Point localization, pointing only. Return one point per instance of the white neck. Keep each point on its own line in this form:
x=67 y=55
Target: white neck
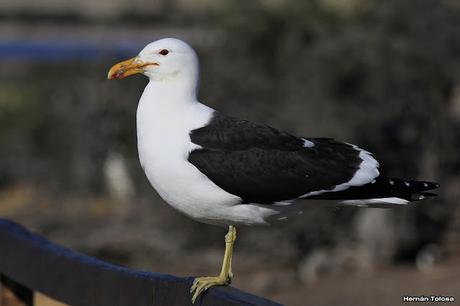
x=168 y=108
x=180 y=86
x=166 y=114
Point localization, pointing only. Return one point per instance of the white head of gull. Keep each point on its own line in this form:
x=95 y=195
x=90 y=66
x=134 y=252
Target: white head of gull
x=170 y=64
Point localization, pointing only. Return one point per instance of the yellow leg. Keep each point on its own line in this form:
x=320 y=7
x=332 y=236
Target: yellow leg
x=201 y=284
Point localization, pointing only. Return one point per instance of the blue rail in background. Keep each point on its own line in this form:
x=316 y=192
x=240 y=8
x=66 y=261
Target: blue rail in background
x=58 y=50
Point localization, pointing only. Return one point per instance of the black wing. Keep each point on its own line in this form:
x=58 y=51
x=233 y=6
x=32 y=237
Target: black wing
x=263 y=165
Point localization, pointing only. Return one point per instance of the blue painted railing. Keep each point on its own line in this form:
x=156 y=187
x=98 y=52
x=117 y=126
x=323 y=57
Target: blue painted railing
x=29 y=262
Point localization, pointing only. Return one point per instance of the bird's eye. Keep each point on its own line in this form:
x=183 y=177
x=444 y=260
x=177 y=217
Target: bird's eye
x=164 y=52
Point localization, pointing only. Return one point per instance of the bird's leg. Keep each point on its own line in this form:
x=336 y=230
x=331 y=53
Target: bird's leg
x=201 y=284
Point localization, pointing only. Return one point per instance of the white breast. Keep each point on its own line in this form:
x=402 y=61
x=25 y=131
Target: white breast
x=164 y=144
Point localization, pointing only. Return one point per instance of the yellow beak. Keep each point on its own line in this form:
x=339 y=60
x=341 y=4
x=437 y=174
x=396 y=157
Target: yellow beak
x=126 y=68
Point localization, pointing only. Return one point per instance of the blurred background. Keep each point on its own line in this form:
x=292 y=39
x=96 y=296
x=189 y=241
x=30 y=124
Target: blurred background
x=382 y=74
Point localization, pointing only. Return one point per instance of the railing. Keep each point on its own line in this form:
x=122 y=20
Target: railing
x=30 y=263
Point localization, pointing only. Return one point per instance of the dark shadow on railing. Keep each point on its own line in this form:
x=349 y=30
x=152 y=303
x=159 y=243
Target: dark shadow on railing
x=28 y=263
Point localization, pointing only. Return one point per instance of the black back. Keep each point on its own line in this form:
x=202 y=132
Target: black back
x=261 y=164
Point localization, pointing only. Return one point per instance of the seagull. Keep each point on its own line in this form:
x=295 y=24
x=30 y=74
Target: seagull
x=226 y=171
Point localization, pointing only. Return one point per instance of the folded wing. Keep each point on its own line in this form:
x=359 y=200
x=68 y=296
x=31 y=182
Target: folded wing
x=261 y=164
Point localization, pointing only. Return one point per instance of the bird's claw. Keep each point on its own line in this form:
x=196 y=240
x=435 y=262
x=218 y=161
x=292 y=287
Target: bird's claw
x=201 y=284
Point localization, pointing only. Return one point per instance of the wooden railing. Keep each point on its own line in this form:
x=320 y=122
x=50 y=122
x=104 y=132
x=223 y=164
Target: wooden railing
x=29 y=263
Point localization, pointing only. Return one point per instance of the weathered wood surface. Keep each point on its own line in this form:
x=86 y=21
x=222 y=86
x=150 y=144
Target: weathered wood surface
x=77 y=279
